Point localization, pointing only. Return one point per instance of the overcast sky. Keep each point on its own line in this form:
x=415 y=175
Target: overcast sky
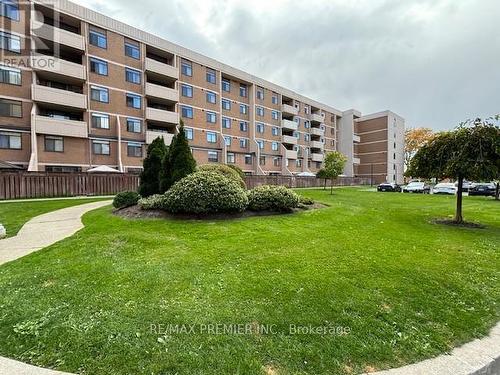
x=434 y=62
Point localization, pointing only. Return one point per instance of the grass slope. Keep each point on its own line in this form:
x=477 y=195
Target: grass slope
x=407 y=289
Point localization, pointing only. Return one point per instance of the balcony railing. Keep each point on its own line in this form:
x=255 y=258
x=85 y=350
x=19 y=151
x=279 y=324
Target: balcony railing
x=57 y=126
x=291 y=154
x=58 y=66
x=316 y=144
x=162 y=93
x=289 y=110
x=356 y=161
x=56 y=35
x=289 y=139
x=162 y=116
x=60 y=97
x=161 y=68
x=288 y=124
x=317 y=131
x=356 y=138
x=317 y=157
x=315 y=117
x=151 y=135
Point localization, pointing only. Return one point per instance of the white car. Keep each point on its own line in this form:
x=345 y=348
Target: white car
x=417 y=187
x=445 y=188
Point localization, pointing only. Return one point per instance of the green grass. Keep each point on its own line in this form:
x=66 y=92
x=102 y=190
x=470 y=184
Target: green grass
x=406 y=288
x=14 y=215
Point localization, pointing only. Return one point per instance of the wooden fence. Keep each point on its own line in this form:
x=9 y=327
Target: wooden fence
x=44 y=185
x=302 y=182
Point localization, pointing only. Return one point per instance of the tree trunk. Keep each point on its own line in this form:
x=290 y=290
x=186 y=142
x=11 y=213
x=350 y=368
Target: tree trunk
x=331 y=186
x=497 y=191
x=324 y=186
x=458 y=213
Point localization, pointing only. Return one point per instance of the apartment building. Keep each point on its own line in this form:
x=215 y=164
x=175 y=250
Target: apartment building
x=79 y=90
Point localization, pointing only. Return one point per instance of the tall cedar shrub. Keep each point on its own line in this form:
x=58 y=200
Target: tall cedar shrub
x=152 y=165
x=178 y=162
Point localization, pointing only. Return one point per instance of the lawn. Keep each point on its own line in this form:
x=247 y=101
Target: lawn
x=395 y=286
x=14 y=215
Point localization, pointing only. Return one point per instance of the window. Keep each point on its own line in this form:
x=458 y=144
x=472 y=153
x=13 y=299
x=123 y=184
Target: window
x=10 y=140
x=132 y=50
x=11 y=108
x=211 y=137
x=243 y=90
x=99 y=94
x=227 y=141
x=306 y=109
x=231 y=159
x=134 y=101
x=134 y=125
x=134 y=150
x=100 y=147
x=248 y=159
x=226 y=123
x=307 y=124
x=226 y=104
x=98 y=38
x=275 y=130
x=243 y=126
x=260 y=144
x=243 y=143
x=99 y=67
x=9 y=9
x=132 y=75
x=187 y=68
x=262 y=160
x=12 y=76
x=211 y=117
x=186 y=111
x=260 y=111
x=307 y=137
x=189 y=133
x=211 y=97
x=277 y=162
x=211 y=78
x=54 y=144
x=226 y=85
x=274 y=146
x=260 y=93
x=100 y=121
x=187 y=91
x=213 y=156
x=10 y=42
x=243 y=109
x=298 y=163
x=275 y=115
x=260 y=127
x=275 y=98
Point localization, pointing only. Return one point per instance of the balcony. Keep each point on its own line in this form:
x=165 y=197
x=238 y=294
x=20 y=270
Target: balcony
x=291 y=154
x=356 y=138
x=316 y=144
x=289 y=139
x=157 y=67
x=151 y=135
x=63 y=98
x=317 y=157
x=317 y=131
x=57 y=35
x=162 y=93
x=160 y=115
x=356 y=161
x=58 y=66
x=289 y=110
x=316 y=117
x=56 y=126
x=288 y=124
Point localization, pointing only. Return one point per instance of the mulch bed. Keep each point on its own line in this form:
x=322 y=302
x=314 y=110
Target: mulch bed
x=135 y=212
x=465 y=224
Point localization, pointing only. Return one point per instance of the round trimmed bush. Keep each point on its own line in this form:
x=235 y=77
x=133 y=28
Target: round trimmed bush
x=205 y=192
x=224 y=170
x=126 y=199
x=153 y=202
x=272 y=198
x=306 y=201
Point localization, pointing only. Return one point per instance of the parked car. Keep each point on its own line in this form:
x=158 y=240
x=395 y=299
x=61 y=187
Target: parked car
x=465 y=186
x=417 y=187
x=484 y=188
x=445 y=188
x=389 y=186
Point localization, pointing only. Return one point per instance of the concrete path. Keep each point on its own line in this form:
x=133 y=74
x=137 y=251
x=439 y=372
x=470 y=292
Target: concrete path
x=11 y=367
x=44 y=230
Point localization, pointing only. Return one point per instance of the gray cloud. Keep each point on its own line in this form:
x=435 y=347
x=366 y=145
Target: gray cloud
x=435 y=62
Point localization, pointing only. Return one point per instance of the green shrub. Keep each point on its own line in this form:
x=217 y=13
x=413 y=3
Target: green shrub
x=153 y=202
x=306 y=201
x=126 y=199
x=272 y=198
x=224 y=170
x=238 y=170
x=205 y=192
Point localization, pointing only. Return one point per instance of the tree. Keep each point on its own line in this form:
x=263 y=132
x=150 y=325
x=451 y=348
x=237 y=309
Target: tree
x=414 y=140
x=334 y=166
x=322 y=174
x=178 y=161
x=471 y=151
x=152 y=165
